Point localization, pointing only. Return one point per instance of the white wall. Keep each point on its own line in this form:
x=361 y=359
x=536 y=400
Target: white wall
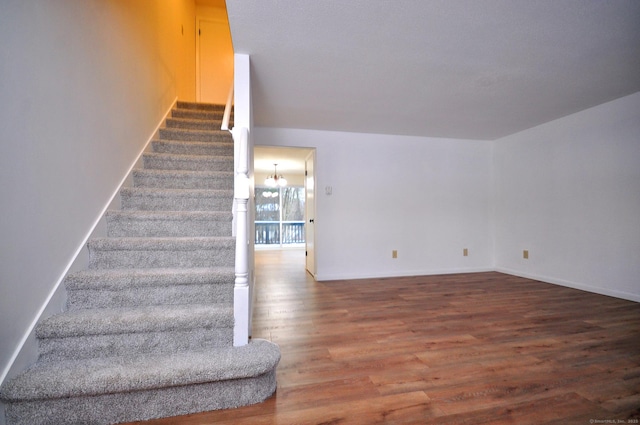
x=293 y=179
x=426 y=198
x=83 y=85
x=569 y=192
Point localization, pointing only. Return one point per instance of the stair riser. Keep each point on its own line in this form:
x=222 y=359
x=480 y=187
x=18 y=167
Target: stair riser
x=192 y=148
x=114 y=259
x=221 y=294
x=197 y=115
x=181 y=182
x=195 y=135
x=142 y=405
x=210 y=125
x=188 y=164
x=198 y=106
x=131 y=227
x=175 y=203
x=160 y=342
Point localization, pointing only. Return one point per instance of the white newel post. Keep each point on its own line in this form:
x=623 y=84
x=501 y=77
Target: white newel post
x=241 y=291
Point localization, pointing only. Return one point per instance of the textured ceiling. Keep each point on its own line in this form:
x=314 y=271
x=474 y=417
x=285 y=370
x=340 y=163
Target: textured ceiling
x=475 y=69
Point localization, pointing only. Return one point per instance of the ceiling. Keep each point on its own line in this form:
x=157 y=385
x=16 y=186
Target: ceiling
x=472 y=69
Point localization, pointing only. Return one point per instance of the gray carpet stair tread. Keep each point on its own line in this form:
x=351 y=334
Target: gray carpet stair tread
x=162 y=243
x=192 y=148
x=135 y=373
x=200 y=106
x=131 y=223
x=171 y=133
x=187 y=157
x=128 y=278
x=196 y=114
x=183 y=179
x=196 y=161
x=161 y=199
x=171 y=215
x=186 y=173
x=195 y=123
x=134 y=320
x=179 y=193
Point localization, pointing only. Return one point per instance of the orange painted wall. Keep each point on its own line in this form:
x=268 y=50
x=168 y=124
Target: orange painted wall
x=214 y=53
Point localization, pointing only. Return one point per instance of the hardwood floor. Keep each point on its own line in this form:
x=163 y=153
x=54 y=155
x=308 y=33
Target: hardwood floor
x=484 y=348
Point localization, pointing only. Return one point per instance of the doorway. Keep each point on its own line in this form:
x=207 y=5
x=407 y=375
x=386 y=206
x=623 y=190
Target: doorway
x=279 y=226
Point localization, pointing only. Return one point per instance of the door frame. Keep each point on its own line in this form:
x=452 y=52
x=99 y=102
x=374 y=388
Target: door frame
x=310 y=213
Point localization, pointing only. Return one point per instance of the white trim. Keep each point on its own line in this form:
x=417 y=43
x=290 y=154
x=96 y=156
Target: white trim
x=313 y=211
x=550 y=280
x=383 y=275
x=53 y=291
x=569 y=284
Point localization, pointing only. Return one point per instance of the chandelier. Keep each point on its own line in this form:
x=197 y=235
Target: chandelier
x=275 y=180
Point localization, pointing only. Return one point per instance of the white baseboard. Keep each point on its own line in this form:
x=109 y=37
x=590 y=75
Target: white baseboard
x=575 y=285
x=26 y=352
x=597 y=290
x=382 y=275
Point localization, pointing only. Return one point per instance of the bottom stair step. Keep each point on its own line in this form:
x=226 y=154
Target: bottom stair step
x=123 y=389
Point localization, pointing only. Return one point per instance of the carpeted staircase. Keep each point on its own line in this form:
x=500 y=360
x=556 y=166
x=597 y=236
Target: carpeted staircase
x=149 y=327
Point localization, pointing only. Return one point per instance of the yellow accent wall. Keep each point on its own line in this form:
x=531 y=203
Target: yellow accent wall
x=214 y=53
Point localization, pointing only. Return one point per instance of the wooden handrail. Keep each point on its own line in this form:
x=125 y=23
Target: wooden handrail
x=227 y=110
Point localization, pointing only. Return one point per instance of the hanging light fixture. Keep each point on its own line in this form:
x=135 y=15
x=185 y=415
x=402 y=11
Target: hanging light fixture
x=275 y=180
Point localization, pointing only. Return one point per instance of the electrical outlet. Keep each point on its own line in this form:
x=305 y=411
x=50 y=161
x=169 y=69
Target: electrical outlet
x=465 y=252
x=394 y=254
x=525 y=254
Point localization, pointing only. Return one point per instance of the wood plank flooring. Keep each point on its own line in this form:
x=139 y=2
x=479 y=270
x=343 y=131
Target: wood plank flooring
x=484 y=348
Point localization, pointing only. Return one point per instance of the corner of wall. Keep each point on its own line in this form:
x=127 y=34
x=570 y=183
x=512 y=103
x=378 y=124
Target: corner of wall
x=566 y=190
x=493 y=193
